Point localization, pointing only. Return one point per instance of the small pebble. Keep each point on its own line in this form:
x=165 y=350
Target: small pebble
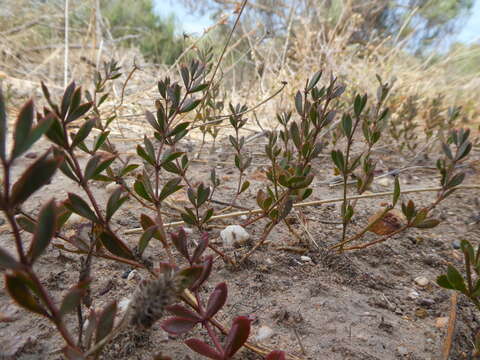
x=306 y=258
x=456 y=244
x=126 y=273
x=188 y=230
x=264 y=333
x=421 y=281
x=402 y=350
x=134 y=275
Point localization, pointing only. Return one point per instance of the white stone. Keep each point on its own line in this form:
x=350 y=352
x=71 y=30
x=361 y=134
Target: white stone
x=421 y=281
x=74 y=219
x=306 y=258
x=264 y=333
x=234 y=234
x=188 y=230
x=123 y=304
x=133 y=275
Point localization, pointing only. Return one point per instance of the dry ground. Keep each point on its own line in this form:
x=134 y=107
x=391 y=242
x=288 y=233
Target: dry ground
x=362 y=305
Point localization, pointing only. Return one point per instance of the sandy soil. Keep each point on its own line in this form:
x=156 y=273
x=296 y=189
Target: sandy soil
x=360 y=305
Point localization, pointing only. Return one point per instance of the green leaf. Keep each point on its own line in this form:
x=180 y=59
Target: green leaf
x=245 y=186
x=66 y=168
x=79 y=206
x=128 y=169
x=169 y=188
x=299 y=103
x=83 y=132
x=114 y=202
x=147 y=222
x=347 y=125
x=145 y=238
x=467 y=249
x=428 y=224
x=105 y=321
x=443 y=282
x=23 y=127
x=456 y=279
x=96 y=165
x=7 y=261
x=313 y=82
x=45 y=229
x=26 y=224
x=115 y=245
x=67 y=98
x=143 y=154
x=396 y=191
x=189 y=105
x=55 y=132
x=78 y=112
x=3 y=126
x=456 y=180
x=359 y=104
x=152 y=121
x=35 y=134
x=100 y=140
x=179 y=129
x=19 y=290
x=73 y=298
x=139 y=188
x=36 y=176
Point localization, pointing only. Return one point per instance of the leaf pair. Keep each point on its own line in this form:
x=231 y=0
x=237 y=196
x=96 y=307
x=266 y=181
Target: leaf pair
x=185 y=319
x=236 y=337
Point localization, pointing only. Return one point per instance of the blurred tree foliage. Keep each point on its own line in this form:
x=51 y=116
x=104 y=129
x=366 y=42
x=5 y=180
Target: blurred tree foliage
x=136 y=23
x=423 y=21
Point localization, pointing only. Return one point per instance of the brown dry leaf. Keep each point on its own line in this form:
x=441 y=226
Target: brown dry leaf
x=258 y=175
x=390 y=222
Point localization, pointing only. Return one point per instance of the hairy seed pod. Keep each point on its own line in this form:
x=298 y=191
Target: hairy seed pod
x=151 y=298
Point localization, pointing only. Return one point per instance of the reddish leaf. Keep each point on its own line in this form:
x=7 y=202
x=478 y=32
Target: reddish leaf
x=237 y=335
x=105 y=321
x=7 y=261
x=147 y=222
x=73 y=297
x=188 y=276
x=183 y=312
x=202 y=245
x=207 y=269
x=115 y=245
x=203 y=349
x=19 y=290
x=276 y=355
x=44 y=230
x=36 y=176
x=179 y=239
x=178 y=325
x=217 y=300
x=72 y=354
